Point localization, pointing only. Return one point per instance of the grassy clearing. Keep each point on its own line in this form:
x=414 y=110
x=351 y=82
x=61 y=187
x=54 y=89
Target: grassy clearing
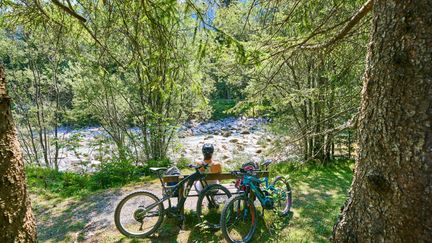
x=318 y=194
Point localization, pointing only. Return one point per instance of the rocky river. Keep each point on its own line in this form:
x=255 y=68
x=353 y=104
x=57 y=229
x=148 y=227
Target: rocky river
x=236 y=140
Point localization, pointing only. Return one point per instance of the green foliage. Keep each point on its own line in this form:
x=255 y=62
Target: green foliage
x=221 y=108
x=62 y=183
x=295 y=169
x=109 y=174
x=161 y=66
x=183 y=162
x=148 y=80
x=115 y=173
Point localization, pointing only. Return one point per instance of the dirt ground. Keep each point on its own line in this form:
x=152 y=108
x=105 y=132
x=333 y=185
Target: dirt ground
x=91 y=219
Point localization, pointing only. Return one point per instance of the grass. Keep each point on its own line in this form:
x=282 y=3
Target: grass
x=318 y=194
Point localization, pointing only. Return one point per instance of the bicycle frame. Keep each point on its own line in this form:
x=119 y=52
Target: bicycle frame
x=250 y=181
x=190 y=180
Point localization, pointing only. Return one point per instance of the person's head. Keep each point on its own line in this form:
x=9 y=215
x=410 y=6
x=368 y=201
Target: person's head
x=207 y=150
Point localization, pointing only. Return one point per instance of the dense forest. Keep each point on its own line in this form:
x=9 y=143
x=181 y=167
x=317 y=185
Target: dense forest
x=95 y=93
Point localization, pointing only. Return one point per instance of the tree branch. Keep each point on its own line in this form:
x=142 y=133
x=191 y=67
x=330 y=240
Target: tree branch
x=69 y=11
x=350 y=124
x=352 y=22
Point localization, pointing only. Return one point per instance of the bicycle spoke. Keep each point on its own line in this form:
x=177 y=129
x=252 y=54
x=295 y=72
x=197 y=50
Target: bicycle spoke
x=139 y=214
x=281 y=193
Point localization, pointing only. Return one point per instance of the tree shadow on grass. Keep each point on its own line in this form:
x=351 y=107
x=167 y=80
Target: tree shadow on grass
x=190 y=231
x=270 y=227
x=318 y=197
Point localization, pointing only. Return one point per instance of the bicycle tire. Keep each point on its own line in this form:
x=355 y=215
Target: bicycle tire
x=286 y=188
x=225 y=218
x=119 y=208
x=203 y=197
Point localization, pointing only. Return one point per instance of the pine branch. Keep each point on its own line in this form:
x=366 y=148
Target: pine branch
x=366 y=8
x=69 y=11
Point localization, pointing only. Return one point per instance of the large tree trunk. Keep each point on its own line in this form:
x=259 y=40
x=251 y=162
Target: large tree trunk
x=17 y=223
x=391 y=195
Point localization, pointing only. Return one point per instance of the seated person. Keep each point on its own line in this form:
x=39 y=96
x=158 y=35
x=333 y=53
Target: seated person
x=213 y=167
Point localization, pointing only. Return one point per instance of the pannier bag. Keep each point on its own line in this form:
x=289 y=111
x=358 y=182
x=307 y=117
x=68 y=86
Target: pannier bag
x=172 y=171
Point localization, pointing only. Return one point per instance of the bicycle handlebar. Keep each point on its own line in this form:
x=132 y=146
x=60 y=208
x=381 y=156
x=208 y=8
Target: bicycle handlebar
x=244 y=172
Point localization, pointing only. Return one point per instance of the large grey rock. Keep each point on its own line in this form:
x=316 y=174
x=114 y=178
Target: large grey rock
x=245 y=132
x=226 y=134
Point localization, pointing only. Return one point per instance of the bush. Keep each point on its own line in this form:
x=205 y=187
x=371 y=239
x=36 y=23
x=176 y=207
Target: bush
x=220 y=108
x=183 y=162
x=159 y=163
x=297 y=167
x=114 y=173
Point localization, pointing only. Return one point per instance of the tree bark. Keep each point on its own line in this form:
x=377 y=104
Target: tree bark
x=17 y=223
x=391 y=195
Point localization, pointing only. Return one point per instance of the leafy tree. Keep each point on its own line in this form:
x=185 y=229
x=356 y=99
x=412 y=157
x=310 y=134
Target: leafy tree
x=144 y=46
x=39 y=85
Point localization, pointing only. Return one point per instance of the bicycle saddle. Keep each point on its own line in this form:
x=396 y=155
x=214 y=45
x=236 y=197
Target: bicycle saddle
x=266 y=162
x=157 y=169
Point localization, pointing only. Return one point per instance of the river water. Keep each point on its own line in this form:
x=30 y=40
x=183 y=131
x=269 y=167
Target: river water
x=236 y=140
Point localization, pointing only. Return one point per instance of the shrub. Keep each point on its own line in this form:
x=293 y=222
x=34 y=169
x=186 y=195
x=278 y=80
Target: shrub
x=114 y=173
x=183 y=162
x=221 y=108
x=118 y=173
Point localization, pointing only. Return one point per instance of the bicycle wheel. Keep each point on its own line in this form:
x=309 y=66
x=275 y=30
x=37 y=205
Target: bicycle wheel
x=134 y=218
x=238 y=220
x=281 y=194
x=210 y=203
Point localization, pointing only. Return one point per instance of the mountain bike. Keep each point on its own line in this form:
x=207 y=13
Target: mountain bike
x=141 y=213
x=238 y=220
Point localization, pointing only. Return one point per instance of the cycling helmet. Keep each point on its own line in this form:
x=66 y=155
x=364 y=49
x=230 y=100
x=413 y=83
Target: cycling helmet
x=250 y=165
x=207 y=148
